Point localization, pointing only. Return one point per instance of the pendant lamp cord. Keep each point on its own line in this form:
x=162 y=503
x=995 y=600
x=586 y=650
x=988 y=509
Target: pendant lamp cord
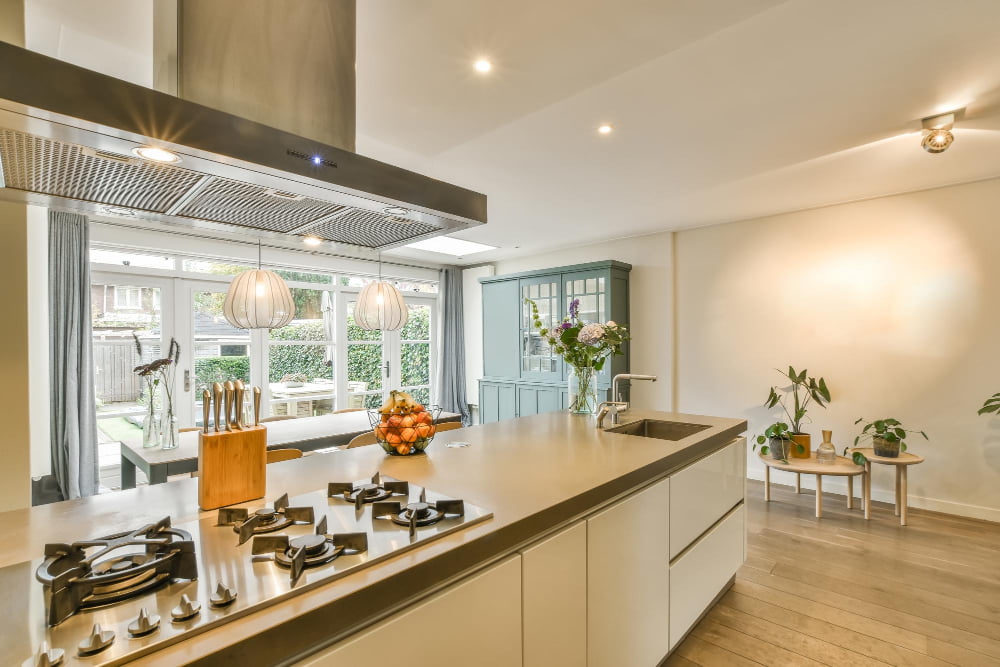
x=259 y=265
x=380 y=267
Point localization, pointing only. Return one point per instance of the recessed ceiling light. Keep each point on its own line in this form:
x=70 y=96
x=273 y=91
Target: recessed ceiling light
x=450 y=246
x=483 y=65
x=605 y=129
x=312 y=240
x=156 y=154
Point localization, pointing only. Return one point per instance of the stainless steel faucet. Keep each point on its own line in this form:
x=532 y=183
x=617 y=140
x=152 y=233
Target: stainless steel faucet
x=616 y=395
x=609 y=408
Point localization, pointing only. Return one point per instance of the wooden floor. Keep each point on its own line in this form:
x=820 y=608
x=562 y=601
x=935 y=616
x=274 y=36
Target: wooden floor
x=844 y=591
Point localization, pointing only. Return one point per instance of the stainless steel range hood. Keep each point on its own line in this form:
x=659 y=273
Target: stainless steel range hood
x=67 y=136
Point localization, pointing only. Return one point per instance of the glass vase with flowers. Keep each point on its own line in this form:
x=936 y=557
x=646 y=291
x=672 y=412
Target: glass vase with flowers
x=585 y=347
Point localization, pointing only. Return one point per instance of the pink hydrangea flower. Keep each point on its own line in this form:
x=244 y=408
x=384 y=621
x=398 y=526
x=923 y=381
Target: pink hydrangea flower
x=591 y=334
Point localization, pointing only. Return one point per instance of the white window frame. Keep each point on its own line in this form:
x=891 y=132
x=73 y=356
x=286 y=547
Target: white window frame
x=129 y=291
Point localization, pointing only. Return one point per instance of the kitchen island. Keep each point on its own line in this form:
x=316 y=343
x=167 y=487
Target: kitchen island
x=633 y=537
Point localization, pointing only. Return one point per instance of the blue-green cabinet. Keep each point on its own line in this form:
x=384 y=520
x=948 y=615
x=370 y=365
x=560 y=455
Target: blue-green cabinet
x=521 y=375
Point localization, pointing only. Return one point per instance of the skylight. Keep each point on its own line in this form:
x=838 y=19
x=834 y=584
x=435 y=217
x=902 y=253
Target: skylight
x=450 y=246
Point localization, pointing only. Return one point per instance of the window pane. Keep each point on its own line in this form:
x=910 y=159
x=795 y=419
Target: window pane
x=123 y=258
x=217 y=268
x=304 y=277
x=416 y=363
x=410 y=286
x=422 y=395
x=314 y=315
x=418 y=324
x=301 y=380
x=221 y=351
x=364 y=366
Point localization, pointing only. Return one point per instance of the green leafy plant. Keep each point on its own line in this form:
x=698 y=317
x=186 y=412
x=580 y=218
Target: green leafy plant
x=888 y=429
x=776 y=431
x=803 y=391
x=992 y=405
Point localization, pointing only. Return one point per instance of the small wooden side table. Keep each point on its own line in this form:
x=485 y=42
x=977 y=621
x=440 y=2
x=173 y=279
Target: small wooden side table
x=902 y=463
x=842 y=467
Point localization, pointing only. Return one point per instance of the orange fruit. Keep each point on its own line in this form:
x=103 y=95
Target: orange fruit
x=408 y=435
x=381 y=432
x=418 y=408
x=394 y=420
x=431 y=430
x=393 y=438
x=423 y=418
x=403 y=449
x=385 y=418
x=407 y=422
x=423 y=430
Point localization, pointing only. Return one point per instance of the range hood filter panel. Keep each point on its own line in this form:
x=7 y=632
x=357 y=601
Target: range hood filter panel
x=46 y=166
x=373 y=230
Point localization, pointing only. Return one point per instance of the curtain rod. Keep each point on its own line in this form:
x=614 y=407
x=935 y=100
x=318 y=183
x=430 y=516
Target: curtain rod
x=174 y=232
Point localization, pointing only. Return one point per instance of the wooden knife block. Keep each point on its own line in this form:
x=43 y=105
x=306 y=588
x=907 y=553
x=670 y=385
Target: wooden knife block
x=232 y=467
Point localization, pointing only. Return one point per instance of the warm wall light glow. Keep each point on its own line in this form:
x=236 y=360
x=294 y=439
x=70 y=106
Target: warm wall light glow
x=156 y=154
x=605 y=129
x=312 y=240
x=482 y=65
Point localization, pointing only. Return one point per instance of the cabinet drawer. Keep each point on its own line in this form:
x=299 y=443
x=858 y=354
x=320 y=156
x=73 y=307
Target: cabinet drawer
x=703 y=492
x=698 y=576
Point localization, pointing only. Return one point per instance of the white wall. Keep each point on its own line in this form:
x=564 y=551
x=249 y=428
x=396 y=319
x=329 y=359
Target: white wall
x=650 y=286
x=895 y=301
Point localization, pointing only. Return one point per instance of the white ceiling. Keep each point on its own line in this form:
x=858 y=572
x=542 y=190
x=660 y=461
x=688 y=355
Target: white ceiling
x=723 y=109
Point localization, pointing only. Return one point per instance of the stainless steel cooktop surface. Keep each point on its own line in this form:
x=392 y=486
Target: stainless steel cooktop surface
x=254 y=580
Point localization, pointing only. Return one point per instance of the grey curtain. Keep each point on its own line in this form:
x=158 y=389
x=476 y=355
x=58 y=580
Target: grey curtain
x=451 y=370
x=73 y=414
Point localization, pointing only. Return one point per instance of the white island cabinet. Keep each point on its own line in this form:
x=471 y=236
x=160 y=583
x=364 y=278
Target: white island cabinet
x=474 y=622
x=628 y=580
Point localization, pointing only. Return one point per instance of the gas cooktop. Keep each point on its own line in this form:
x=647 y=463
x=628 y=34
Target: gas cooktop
x=110 y=599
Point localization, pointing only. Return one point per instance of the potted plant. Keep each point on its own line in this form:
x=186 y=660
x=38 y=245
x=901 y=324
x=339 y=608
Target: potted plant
x=778 y=439
x=803 y=390
x=991 y=406
x=887 y=435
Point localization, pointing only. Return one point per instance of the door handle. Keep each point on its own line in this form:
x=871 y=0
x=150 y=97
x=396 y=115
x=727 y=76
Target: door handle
x=187 y=379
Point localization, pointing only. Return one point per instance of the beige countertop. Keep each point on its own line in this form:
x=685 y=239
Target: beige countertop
x=533 y=473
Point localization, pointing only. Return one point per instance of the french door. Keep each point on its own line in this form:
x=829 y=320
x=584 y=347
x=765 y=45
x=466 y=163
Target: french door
x=377 y=362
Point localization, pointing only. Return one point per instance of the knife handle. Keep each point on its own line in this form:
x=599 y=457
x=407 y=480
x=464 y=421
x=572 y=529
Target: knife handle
x=217 y=392
x=206 y=408
x=256 y=406
x=238 y=408
x=230 y=390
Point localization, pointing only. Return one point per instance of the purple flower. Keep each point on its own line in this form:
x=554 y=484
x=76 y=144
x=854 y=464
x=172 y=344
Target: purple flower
x=574 y=308
x=565 y=325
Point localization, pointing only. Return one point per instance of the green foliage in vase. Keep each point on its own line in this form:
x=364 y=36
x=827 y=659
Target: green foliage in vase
x=888 y=429
x=581 y=344
x=803 y=390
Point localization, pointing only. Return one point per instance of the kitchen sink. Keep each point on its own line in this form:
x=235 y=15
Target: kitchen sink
x=657 y=428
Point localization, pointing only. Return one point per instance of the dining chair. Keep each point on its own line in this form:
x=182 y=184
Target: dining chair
x=338 y=412
x=362 y=440
x=447 y=426
x=275 y=455
x=188 y=429
x=277 y=418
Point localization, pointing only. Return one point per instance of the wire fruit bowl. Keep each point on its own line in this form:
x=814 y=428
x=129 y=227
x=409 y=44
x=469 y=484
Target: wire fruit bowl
x=405 y=434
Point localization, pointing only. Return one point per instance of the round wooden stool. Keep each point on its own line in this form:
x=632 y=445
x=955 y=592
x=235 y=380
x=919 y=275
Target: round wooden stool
x=902 y=463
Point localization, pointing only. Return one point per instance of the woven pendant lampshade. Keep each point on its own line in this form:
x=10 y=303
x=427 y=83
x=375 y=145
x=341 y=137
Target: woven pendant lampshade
x=380 y=307
x=258 y=299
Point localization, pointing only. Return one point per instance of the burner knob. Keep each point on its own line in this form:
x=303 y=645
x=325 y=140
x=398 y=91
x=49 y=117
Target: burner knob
x=188 y=608
x=224 y=596
x=49 y=657
x=143 y=624
x=98 y=640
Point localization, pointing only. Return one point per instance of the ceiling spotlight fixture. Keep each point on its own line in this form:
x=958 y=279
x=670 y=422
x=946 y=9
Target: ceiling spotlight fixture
x=156 y=154
x=483 y=66
x=312 y=240
x=937 y=132
x=605 y=129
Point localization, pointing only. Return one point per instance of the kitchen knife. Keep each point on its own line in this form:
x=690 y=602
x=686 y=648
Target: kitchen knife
x=217 y=403
x=256 y=406
x=230 y=390
x=238 y=412
x=206 y=407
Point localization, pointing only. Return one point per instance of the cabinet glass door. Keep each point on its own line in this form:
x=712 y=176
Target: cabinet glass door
x=591 y=288
x=538 y=361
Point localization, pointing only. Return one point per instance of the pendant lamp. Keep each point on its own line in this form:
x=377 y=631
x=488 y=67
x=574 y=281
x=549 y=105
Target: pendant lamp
x=380 y=306
x=258 y=299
